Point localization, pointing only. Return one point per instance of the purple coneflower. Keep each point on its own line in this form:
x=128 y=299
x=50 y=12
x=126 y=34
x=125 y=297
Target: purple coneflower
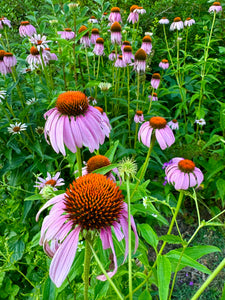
x=9 y=59
x=94 y=35
x=127 y=54
x=39 y=41
x=49 y=180
x=116 y=35
x=34 y=58
x=120 y=63
x=139 y=117
x=74 y=123
x=112 y=56
x=105 y=125
x=51 y=56
x=26 y=29
x=164 y=21
x=17 y=128
x=99 y=47
x=3 y=68
x=177 y=24
x=133 y=16
x=4 y=21
x=67 y=34
x=140 y=60
x=215 y=7
x=155 y=81
x=97 y=162
x=164 y=64
x=84 y=40
x=182 y=173
x=92 y=203
x=147 y=44
x=174 y=124
x=92 y=100
x=115 y=15
x=164 y=135
x=140 y=10
x=125 y=43
x=93 y=20
x=189 y=22
x=153 y=97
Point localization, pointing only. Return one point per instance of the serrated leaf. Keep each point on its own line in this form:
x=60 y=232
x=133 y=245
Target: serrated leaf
x=149 y=235
x=163 y=275
x=171 y=239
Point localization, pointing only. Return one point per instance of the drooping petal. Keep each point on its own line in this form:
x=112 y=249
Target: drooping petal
x=118 y=233
x=76 y=132
x=68 y=136
x=63 y=258
x=104 y=238
x=59 y=134
x=49 y=203
x=160 y=138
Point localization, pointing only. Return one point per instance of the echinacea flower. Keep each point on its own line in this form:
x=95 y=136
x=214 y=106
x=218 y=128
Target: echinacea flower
x=147 y=44
x=127 y=54
x=26 y=29
x=115 y=15
x=50 y=55
x=125 y=43
x=40 y=41
x=93 y=20
x=189 y=22
x=99 y=161
x=153 y=97
x=155 y=81
x=92 y=203
x=67 y=34
x=104 y=86
x=164 y=64
x=133 y=16
x=9 y=59
x=120 y=63
x=99 y=47
x=139 y=117
x=74 y=123
x=164 y=21
x=3 y=68
x=174 y=125
x=112 y=56
x=17 y=128
x=200 y=122
x=140 y=61
x=94 y=35
x=104 y=121
x=4 y=21
x=140 y=10
x=182 y=173
x=49 y=180
x=177 y=24
x=34 y=58
x=31 y=101
x=157 y=125
x=84 y=40
x=116 y=36
x=215 y=7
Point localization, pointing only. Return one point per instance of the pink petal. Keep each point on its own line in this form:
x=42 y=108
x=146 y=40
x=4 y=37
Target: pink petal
x=49 y=203
x=59 y=135
x=160 y=138
x=104 y=238
x=63 y=258
x=68 y=136
x=118 y=233
x=76 y=132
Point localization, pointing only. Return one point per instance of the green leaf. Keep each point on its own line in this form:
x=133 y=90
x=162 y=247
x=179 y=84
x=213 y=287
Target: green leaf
x=17 y=247
x=145 y=295
x=220 y=184
x=149 y=235
x=174 y=257
x=214 y=139
x=197 y=252
x=49 y=292
x=105 y=170
x=171 y=239
x=2 y=275
x=92 y=83
x=33 y=197
x=163 y=275
x=111 y=152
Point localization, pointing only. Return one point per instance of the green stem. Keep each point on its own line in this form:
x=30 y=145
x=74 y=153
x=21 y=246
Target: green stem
x=144 y=168
x=138 y=89
x=136 y=134
x=87 y=263
x=87 y=63
x=129 y=240
x=105 y=273
x=6 y=37
x=74 y=48
x=150 y=104
x=79 y=162
x=128 y=102
x=99 y=57
x=209 y=280
x=105 y=102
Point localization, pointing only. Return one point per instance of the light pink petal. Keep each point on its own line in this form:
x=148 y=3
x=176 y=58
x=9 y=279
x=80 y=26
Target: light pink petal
x=59 y=134
x=53 y=230
x=68 y=136
x=118 y=233
x=124 y=225
x=76 y=132
x=53 y=134
x=133 y=225
x=199 y=175
x=88 y=140
x=179 y=181
x=104 y=238
x=63 y=258
x=193 y=180
x=49 y=203
x=160 y=138
x=110 y=274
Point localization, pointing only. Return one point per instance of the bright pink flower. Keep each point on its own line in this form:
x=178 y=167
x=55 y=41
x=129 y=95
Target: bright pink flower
x=164 y=64
x=115 y=15
x=67 y=34
x=155 y=81
x=26 y=29
x=9 y=59
x=147 y=44
x=74 y=123
x=164 y=135
x=99 y=47
x=77 y=210
x=116 y=35
x=182 y=173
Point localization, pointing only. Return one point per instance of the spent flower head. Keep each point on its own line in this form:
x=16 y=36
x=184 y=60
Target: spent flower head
x=127 y=168
x=104 y=86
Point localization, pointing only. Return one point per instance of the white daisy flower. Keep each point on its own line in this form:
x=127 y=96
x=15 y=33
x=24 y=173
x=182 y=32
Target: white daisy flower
x=16 y=128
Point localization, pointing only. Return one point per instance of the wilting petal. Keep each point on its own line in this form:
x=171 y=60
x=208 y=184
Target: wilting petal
x=63 y=258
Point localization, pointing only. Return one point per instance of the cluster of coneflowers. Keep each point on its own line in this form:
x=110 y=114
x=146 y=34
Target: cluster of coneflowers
x=93 y=202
